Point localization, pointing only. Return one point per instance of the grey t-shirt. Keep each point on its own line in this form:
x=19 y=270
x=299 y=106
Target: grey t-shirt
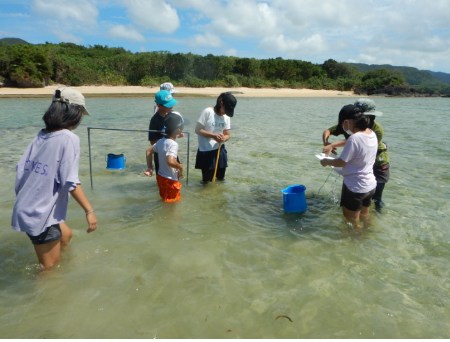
x=45 y=175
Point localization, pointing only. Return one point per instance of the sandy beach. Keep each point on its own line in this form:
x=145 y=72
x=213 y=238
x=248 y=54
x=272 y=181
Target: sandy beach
x=138 y=91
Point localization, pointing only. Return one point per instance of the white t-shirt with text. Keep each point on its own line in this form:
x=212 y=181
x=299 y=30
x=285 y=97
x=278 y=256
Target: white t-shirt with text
x=212 y=123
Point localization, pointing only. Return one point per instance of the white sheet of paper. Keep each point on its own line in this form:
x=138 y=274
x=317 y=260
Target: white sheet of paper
x=332 y=157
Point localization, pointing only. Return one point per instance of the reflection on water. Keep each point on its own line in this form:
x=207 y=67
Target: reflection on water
x=227 y=260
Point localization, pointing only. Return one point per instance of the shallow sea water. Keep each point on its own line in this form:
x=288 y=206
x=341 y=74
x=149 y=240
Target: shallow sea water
x=226 y=261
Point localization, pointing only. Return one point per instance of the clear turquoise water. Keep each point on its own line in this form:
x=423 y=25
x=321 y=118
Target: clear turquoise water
x=227 y=257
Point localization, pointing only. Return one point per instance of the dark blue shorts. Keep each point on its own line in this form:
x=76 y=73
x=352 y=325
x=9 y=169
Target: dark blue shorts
x=50 y=234
x=207 y=160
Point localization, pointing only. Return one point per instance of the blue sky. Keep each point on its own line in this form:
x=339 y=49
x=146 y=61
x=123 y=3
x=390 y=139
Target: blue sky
x=399 y=32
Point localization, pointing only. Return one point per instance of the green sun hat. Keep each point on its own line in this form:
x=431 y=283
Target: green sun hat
x=368 y=106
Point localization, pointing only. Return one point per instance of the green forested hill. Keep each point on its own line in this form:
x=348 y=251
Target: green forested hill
x=441 y=75
x=413 y=76
x=12 y=41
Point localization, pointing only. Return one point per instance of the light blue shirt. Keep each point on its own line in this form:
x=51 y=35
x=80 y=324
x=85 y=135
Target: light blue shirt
x=45 y=175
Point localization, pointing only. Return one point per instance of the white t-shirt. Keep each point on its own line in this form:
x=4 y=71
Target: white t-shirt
x=360 y=152
x=212 y=123
x=166 y=147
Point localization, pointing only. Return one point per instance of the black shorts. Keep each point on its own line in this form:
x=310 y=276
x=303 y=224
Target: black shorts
x=50 y=234
x=354 y=201
x=381 y=173
x=207 y=160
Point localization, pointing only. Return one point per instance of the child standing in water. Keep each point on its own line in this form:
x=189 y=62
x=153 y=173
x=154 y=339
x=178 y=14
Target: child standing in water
x=213 y=130
x=357 y=161
x=170 y=171
x=47 y=173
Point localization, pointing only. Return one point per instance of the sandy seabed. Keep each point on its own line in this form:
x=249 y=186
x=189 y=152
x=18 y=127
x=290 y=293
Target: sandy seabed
x=138 y=91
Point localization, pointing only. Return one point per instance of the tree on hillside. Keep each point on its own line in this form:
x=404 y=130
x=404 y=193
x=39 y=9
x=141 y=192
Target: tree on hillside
x=381 y=78
x=335 y=70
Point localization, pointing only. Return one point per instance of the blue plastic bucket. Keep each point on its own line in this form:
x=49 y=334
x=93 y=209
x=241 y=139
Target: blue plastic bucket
x=115 y=161
x=294 y=199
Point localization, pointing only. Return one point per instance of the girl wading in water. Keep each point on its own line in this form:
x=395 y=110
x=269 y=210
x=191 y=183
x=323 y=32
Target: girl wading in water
x=357 y=161
x=47 y=174
x=213 y=130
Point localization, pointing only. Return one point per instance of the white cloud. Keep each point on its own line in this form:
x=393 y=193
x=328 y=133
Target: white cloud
x=245 y=18
x=231 y=52
x=142 y=49
x=81 y=11
x=125 y=33
x=155 y=15
x=307 y=45
x=67 y=37
x=206 y=39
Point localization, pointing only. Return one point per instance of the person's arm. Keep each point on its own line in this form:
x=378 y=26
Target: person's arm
x=80 y=197
x=149 y=158
x=199 y=130
x=226 y=135
x=172 y=161
x=325 y=135
x=331 y=148
x=335 y=162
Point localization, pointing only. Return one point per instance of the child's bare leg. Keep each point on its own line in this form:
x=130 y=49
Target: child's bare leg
x=352 y=217
x=48 y=253
x=364 y=216
x=66 y=233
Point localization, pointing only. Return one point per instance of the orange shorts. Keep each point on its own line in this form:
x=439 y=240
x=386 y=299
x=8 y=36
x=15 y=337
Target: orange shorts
x=169 y=190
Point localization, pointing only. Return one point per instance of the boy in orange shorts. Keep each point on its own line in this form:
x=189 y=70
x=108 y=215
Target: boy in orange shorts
x=170 y=171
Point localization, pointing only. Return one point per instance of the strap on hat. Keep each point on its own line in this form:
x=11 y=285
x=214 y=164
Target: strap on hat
x=59 y=98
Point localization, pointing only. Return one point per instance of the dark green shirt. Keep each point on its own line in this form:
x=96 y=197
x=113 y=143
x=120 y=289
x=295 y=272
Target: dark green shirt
x=382 y=155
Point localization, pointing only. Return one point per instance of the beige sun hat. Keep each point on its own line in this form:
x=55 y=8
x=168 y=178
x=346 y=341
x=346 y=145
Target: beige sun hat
x=70 y=96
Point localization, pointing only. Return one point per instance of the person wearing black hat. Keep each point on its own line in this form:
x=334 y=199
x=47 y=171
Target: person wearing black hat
x=356 y=160
x=381 y=165
x=213 y=128
x=170 y=170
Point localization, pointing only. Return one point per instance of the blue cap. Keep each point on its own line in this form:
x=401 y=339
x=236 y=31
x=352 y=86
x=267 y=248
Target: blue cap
x=165 y=98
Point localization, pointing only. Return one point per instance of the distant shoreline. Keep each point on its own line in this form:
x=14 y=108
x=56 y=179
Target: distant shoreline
x=138 y=91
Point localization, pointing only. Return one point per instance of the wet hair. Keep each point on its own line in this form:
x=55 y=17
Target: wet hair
x=62 y=115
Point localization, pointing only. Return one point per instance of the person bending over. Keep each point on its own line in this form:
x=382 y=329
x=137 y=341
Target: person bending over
x=356 y=160
x=381 y=165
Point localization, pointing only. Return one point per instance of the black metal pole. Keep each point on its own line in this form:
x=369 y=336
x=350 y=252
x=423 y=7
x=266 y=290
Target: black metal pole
x=90 y=159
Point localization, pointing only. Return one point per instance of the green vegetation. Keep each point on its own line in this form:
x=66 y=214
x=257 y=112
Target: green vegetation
x=27 y=65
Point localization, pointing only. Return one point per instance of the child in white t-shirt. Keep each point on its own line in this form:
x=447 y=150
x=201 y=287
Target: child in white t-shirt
x=170 y=171
x=357 y=161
